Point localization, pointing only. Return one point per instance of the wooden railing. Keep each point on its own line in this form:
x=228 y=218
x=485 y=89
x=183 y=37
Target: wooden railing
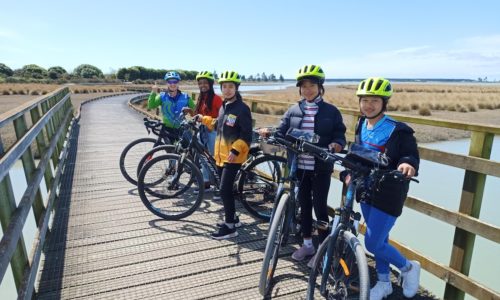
x=466 y=221
x=51 y=117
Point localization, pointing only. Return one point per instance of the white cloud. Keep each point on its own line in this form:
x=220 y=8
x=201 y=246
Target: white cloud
x=465 y=58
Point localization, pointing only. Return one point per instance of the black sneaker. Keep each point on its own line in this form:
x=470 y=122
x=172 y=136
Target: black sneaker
x=237 y=222
x=225 y=233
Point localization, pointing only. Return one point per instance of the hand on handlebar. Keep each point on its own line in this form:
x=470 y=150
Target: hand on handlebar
x=334 y=147
x=407 y=170
x=187 y=110
x=264 y=132
x=198 y=117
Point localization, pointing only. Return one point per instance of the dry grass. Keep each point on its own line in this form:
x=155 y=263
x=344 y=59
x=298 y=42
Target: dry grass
x=42 y=89
x=408 y=97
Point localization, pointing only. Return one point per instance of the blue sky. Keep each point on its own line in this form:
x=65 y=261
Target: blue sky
x=349 y=39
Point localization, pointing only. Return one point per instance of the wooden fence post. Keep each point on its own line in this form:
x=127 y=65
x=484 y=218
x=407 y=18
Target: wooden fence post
x=7 y=207
x=470 y=204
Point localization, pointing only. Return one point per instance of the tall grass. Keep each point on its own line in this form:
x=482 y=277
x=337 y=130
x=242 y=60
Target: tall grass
x=422 y=99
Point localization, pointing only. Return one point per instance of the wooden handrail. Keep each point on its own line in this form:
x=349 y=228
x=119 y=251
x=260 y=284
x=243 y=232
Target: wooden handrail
x=57 y=114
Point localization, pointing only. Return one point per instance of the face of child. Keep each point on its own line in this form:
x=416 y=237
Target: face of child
x=228 y=90
x=204 y=85
x=370 y=106
x=309 y=90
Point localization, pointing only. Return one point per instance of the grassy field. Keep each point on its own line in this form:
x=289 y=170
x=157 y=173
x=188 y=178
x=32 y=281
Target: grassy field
x=7 y=89
x=420 y=98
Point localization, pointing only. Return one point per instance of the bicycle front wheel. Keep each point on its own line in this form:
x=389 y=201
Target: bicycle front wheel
x=170 y=187
x=258 y=184
x=130 y=156
x=344 y=275
x=273 y=245
x=155 y=152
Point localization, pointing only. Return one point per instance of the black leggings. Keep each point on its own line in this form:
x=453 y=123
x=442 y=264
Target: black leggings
x=313 y=191
x=227 y=176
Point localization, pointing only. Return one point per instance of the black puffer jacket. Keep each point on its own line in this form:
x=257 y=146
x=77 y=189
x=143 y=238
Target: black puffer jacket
x=400 y=148
x=328 y=125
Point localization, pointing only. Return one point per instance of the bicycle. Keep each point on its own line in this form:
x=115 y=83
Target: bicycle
x=341 y=259
x=135 y=150
x=285 y=219
x=189 y=153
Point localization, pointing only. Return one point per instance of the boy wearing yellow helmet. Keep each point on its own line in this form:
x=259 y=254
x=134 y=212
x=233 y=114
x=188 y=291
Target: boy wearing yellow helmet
x=313 y=114
x=379 y=132
x=234 y=135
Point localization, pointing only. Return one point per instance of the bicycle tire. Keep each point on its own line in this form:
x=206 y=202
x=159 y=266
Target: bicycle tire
x=273 y=245
x=163 y=149
x=258 y=184
x=168 y=199
x=129 y=158
x=348 y=276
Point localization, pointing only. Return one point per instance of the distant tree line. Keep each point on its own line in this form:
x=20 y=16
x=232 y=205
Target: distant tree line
x=35 y=73
x=90 y=73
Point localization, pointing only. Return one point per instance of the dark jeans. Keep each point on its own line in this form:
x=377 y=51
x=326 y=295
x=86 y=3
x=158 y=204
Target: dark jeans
x=227 y=176
x=313 y=192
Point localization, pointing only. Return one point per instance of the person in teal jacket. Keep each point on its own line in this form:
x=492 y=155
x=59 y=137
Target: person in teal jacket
x=172 y=101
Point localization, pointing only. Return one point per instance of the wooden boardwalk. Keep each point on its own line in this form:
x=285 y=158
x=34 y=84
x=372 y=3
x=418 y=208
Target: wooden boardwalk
x=104 y=244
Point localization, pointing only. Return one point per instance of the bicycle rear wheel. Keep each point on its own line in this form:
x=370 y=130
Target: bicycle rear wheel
x=345 y=276
x=273 y=245
x=258 y=184
x=171 y=188
x=132 y=154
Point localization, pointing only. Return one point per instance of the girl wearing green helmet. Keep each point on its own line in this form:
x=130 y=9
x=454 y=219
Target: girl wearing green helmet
x=381 y=208
x=234 y=135
x=208 y=104
x=313 y=115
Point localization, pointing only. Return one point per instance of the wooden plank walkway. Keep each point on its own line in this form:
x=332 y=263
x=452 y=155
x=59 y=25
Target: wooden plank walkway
x=104 y=244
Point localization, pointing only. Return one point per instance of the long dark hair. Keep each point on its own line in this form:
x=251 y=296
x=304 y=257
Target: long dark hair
x=210 y=99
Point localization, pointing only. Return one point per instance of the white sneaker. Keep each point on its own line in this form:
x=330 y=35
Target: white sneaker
x=411 y=279
x=381 y=290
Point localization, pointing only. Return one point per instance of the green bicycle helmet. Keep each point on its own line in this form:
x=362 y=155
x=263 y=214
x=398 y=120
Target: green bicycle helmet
x=311 y=72
x=206 y=75
x=230 y=76
x=375 y=86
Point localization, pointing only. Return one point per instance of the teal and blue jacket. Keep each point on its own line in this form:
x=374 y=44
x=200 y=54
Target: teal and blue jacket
x=171 y=107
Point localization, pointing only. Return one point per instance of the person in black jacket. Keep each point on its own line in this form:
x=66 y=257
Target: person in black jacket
x=232 y=143
x=377 y=131
x=312 y=114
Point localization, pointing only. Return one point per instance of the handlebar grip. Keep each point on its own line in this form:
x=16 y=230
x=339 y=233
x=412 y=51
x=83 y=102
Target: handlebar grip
x=308 y=147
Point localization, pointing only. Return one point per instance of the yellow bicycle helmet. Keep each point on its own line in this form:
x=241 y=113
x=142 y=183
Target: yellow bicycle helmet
x=312 y=72
x=230 y=76
x=375 y=86
x=206 y=75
